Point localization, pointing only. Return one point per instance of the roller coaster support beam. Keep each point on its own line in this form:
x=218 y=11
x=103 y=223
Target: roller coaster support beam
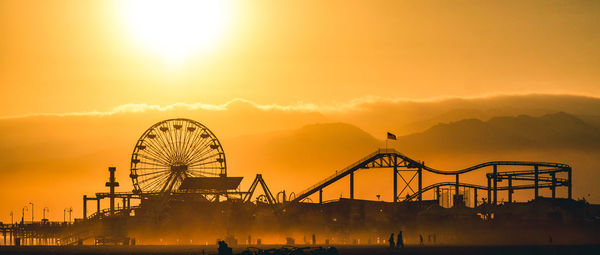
x=553 y=189
x=320 y=196
x=495 y=181
x=420 y=172
x=535 y=181
x=510 y=191
x=570 y=187
x=352 y=185
x=395 y=180
x=456 y=185
x=475 y=197
x=489 y=190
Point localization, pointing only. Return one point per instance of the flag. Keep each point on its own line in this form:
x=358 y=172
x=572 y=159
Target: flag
x=391 y=136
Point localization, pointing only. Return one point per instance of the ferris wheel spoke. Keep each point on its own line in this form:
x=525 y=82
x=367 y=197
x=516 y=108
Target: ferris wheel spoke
x=151 y=163
x=189 y=138
x=165 y=144
x=181 y=136
x=156 y=152
x=197 y=146
x=156 y=145
x=156 y=184
x=149 y=179
x=203 y=156
x=154 y=161
x=186 y=141
x=169 y=139
x=153 y=158
x=151 y=152
x=144 y=172
x=200 y=161
x=172 y=140
x=203 y=163
x=198 y=173
x=199 y=153
x=206 y=167
x=199 y=140
x=151 y=173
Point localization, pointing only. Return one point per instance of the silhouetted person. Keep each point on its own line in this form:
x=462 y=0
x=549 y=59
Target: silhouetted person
x=314 y=239
x=400 y=240
x=550 y=239
x=224 y=249
x=391 y=241
x=421 y=239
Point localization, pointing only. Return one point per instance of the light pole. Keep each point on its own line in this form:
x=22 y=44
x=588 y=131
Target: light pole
x=32 y=211
x=23 y=214
x=65 y=215
x=70 y=211
x=11 y=218
x=44 y=212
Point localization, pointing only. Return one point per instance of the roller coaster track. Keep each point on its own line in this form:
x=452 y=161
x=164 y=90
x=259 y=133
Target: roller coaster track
x=473 y=186
x=390 y=158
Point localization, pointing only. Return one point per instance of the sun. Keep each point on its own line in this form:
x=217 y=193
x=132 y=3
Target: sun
x=177 y=29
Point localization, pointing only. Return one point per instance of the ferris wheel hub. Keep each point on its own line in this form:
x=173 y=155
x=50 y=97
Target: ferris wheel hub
x=179 y=168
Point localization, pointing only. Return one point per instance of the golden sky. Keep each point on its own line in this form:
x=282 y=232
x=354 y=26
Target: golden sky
x=73 y=56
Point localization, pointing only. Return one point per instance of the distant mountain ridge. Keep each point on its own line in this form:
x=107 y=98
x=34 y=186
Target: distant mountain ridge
x=508 y=133
x=552 y=131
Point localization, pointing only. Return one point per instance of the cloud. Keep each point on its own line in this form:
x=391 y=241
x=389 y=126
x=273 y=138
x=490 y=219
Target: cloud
x=357 y=104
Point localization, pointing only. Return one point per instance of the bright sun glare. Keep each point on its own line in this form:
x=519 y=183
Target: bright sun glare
x=177 y=29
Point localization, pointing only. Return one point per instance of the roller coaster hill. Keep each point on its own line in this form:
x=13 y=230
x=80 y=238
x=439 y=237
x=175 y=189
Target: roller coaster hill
x=183 y=195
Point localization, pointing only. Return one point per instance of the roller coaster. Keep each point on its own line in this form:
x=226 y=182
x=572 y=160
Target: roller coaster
x=541 y=174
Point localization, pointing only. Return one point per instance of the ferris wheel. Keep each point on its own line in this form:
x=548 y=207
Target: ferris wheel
x=172 y=150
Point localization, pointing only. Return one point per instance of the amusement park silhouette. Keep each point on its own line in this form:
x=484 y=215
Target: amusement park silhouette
x=182 y=191
x=299 y=127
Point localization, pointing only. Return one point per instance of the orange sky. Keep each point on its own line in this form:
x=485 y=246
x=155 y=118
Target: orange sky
x=70 y=56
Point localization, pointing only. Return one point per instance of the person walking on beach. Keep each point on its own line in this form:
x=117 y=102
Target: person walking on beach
x=391 y=241
x=400 y=242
